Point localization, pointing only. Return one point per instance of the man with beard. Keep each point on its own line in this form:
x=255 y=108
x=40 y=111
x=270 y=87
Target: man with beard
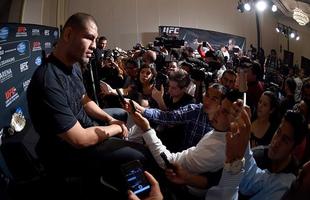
x=76 y=136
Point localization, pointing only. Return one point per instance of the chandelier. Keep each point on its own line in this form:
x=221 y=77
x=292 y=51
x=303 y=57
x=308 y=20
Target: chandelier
x=300 y=17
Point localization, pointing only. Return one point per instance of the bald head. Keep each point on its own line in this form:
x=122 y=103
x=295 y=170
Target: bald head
x=78 y=39
x=79 y=21
x=149 y=56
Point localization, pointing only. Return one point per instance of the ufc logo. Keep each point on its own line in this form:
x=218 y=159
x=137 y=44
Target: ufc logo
x=9 y=93
x=171 y=30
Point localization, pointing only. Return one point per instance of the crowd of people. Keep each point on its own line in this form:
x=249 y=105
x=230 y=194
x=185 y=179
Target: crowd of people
x=231 y=126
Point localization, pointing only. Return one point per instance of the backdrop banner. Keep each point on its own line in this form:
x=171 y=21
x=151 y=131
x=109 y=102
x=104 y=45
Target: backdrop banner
x=21 y=52
x=192 y=36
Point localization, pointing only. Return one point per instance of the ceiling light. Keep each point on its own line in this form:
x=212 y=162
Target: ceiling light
x=261 y=5
x=247 y=7
x=292 y=35
x=274 y=8
x=300 y=17
x=297 y=38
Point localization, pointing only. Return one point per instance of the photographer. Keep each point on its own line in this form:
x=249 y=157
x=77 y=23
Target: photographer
x=101 y=48
x=109 y=71
x=173 y=135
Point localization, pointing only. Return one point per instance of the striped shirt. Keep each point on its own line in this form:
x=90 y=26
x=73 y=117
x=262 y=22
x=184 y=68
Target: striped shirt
x=194 y=118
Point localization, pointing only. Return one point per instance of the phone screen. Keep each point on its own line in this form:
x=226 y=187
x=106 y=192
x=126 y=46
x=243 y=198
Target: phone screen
x=135 y=178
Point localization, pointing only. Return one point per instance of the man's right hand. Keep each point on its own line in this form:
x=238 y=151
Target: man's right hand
x=106 y=89
x=124 y=132
x=178 y=175
x=141 y=121
x=237 y=138
x=129 y=109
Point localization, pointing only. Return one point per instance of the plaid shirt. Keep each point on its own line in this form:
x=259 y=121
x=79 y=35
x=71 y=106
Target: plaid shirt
x=196 y=121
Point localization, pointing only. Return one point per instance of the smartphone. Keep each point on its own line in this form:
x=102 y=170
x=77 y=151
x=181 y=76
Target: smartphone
x=133 y=107
x=121 y=97
x=167 y=163
x=135 y=178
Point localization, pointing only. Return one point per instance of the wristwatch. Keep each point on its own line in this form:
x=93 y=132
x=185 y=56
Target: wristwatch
x=234 y=167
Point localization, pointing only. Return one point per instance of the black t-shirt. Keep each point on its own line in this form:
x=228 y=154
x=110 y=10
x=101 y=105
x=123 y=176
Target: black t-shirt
x=99 y=54
x=54 y=99
x=266 y=139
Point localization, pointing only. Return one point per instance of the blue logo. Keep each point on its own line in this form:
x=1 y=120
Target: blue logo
x=21 y=47
x=4 y=33
x=56 y=34
x=38 y=61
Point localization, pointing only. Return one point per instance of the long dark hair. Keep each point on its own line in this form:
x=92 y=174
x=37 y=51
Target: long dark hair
x=154 y=73
x=274 y=105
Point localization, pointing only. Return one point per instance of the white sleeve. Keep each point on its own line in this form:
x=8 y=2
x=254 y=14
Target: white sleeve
x=156 y=147
x=227 y=187
x=208 y=155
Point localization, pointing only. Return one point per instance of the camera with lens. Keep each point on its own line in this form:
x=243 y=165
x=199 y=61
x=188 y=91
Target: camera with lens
x=116 y=53
x=201 y=75
x=168 y=42
x=161 y=79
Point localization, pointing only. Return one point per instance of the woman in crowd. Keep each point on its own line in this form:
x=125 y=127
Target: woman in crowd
x=266 y=120
x=145 y=85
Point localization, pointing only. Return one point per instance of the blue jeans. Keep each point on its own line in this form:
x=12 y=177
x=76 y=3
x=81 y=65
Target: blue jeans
x=117 y=113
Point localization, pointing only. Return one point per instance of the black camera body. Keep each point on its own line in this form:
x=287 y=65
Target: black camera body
x=201 y=75
x=168 y=42
x=161 y=79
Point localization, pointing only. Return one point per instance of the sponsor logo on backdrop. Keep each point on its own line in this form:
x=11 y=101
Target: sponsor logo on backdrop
x=47 y=32
x=38 y=61
x=47 y=45
x=21 y=31
x=21 y=48
x=36 y=46
x=23 y=66
x=171 y=30
x=12 y=52
x=4 y=33
x=26 y=84
x=7 y=61
x=35 y=31
x=55 y=34
x=10 y=96
x=6 y=75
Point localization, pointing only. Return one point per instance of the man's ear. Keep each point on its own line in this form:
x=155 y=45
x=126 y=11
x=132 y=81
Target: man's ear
x=67 y=34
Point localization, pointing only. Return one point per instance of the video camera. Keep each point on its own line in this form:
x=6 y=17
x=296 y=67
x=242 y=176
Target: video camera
x=202 y=75
x=168 y=42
